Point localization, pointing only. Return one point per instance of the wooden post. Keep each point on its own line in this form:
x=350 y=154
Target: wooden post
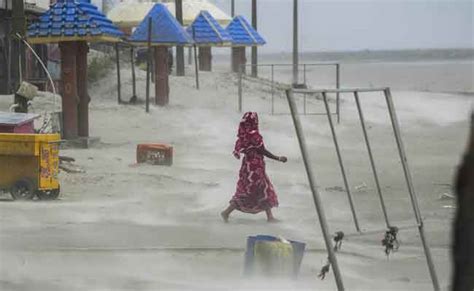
x=161 y=76
x=17 y=53
x=179 y=48
x=84 y=98
x=69 y=90
x=190 y=55
x=239 y=60
x=254 y=48
x=119 y=85
x=205 y=59
x=148 y=68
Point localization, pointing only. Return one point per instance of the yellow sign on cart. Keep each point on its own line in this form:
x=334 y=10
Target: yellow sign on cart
x=29 y=164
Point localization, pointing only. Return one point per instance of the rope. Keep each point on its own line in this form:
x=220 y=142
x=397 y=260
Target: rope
x=337 y=238
x=390 y=241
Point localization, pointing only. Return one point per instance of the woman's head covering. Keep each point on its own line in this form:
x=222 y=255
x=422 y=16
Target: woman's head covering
x=248 y=136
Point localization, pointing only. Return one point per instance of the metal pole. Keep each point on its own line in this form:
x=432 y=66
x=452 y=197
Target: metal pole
x=232 y=8
x=240 y=87
x=134 y=85
x=338 y=99
x=119 y=85
x=295 y=42
x=196 y=69
x=148 y=68
x=254 y=48
x=304 y=80
x=314 y=191
x=371 y=157
x=411 y=189
x=179 y=48
x=190 y=55
x=304 y=74
x=341 y=163
x=273 y=90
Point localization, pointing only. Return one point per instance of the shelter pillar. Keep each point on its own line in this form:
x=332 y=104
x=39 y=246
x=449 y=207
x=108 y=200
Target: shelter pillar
x=238 y=59
x=161 y=76
x=69 y=97
x=205 y=59
x=84 y=98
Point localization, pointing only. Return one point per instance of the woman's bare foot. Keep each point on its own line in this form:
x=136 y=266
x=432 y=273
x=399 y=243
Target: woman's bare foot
x=225 y=216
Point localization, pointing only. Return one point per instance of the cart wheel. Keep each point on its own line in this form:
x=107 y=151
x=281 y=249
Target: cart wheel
x=48 y=194
x=23 y=190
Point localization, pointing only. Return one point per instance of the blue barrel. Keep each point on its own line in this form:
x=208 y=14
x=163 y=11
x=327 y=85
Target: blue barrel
x=298 y=249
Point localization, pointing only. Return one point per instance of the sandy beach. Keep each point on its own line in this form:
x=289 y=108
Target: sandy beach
x=123 y=226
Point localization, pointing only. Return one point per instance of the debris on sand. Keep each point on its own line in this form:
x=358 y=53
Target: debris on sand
x=66 y=164
x=446 y=196
x=336 y=188
x=361 y=188
x=449 y=206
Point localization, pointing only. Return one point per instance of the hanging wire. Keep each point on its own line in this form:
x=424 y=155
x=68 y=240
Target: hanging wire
x=47 y=118
x=42 y=65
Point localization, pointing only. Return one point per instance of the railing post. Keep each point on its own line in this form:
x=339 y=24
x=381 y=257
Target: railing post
x=240 y=87
x=304 y=74
x=338 y=99
x=304 y=82
x=273 y=90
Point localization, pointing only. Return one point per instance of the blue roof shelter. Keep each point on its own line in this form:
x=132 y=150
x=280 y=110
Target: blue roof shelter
x=73 y=20
x=165 y=31
x=206 y=33
x=243 y=35
x=72 y=24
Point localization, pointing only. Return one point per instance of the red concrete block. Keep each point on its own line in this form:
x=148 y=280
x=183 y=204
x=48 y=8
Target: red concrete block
x=155 y=154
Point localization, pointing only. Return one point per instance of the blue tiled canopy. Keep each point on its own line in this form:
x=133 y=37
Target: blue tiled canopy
x=165 y=30
x=73 y=20
x=206 y=31
x=243 y=34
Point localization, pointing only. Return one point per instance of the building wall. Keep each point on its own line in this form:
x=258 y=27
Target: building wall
x=4 y=28
x=44 y=4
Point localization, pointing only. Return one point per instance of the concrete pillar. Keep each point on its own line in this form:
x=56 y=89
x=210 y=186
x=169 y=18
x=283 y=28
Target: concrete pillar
x=69 y=89
x=238 y=58
x=84 y=98
x=161 y=76
x=205 y=59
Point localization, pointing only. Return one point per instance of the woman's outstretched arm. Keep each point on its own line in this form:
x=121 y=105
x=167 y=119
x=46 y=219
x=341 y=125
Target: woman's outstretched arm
x=268 y=154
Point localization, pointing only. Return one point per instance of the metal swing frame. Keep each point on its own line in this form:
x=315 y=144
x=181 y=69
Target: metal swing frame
x=312 y=181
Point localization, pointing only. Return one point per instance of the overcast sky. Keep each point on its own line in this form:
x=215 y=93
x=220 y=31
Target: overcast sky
x=358 y=25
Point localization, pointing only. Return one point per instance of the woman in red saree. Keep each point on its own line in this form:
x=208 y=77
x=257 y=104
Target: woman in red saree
x=254 y=192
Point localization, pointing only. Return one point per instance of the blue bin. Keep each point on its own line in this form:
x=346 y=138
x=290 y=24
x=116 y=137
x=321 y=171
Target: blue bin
x=298 y=253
